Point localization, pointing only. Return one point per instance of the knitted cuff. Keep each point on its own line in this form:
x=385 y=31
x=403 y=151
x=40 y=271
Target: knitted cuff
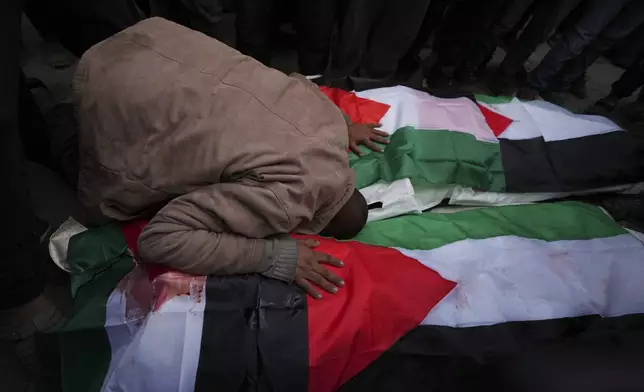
x=281 y=257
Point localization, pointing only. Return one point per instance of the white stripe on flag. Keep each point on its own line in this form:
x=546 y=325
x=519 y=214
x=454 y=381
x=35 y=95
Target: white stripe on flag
x=531 y=119
x=160 y=353
x=543 y=119
x=420 y=110
x=512 y=278
x=403 y=197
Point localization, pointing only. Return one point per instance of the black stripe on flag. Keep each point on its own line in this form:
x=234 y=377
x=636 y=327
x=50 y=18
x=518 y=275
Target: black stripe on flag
x=254 y=337
x=589 y=354
x=534 y=165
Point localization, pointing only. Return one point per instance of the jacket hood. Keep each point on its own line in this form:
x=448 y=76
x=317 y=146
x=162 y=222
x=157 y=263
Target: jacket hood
x=165 y=111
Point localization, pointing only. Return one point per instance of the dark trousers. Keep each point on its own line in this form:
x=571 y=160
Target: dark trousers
x=431 y=22
x=628 y=50
x=22 y=269
x=487 y=39
x=574 y=16
x=314 y=22
x=626 y=22
x=597 y=16
x=375 y=35
x=464 y=37
x=631 y=80
x=202 y=15
x=80 y=24
x=546 y=16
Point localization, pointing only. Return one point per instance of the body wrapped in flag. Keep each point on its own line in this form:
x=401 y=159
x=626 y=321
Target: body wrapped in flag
x=532 y=283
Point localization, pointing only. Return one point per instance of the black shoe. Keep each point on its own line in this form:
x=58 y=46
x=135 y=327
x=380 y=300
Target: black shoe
x=436 y=81
x=521 y=76
x=578 y=88
x=363 y=83
x=41 y=230
x=528 y=93
x=24 y=330
x=556 y=97
x=609 y=103
x=629 y=208
x=552 y=40
x=634 y=112
x=343 y=83
x=408 y=66
x=467 y=78
x=501 y=84
x=507 y=42
x=445 y=88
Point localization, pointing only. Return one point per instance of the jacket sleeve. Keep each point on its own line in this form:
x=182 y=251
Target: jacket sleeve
x=222 y=229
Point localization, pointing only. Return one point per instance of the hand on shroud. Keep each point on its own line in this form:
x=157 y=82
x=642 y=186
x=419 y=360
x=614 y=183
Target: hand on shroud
x=368 y=135
x=310 y=270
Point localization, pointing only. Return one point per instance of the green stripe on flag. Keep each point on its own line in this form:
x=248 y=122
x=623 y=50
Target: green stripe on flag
x=435 y=156
x=548 y=222
x=100 y=257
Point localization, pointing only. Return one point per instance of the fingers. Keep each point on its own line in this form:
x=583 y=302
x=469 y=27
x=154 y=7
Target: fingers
x=372 y=146
x=322 y=282
x=379 y=139
x=356 y=150
x=311 y=243
x=330 y=277
x=378 y=125
x=312 y=274
x=308 y=288
x=324 y=258
x=380 y=133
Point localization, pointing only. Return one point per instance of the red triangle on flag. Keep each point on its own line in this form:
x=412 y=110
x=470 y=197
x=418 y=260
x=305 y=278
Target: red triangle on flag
x=497 y=122
x=359 y=110
x=386 y=294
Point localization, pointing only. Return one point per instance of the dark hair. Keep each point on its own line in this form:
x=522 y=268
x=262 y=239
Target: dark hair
x=349 y=220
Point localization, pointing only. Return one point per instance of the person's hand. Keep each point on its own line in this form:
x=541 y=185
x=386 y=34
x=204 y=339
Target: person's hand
x=366 y=134
x=310 y=270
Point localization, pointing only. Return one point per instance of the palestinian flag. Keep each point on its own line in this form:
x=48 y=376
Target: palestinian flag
x=485 y=151
x=553 y=288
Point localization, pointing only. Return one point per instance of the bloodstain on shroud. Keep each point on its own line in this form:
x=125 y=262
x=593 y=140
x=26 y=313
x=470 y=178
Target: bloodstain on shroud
x=148 y=286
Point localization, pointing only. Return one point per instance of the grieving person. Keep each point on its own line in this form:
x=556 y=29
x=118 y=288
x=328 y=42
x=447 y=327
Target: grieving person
x=224 y=155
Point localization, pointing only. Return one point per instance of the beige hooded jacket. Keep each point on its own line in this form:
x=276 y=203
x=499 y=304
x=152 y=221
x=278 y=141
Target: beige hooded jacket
x=229 y=154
